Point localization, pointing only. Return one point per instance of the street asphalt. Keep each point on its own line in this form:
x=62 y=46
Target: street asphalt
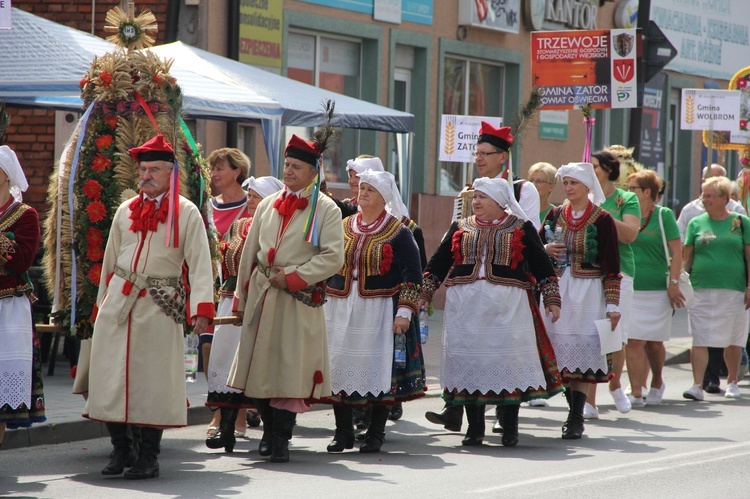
x=65 y=423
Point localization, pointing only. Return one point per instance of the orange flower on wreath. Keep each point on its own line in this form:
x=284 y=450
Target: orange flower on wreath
x=94 y=237
x=101 y=163
x=96 y=211
x=105 y=78
x=95 y=273
x=104 y=142
x=92 y=189
x=111 y=121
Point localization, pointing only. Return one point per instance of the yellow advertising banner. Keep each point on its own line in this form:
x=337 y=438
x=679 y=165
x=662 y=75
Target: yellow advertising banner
x=261 y=32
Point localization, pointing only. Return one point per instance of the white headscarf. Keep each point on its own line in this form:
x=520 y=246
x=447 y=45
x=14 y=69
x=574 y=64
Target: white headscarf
x=385 y=183
x=264 y=186
x=12 y=168
x=360 y=165
x=584 y=173
x=500 y=190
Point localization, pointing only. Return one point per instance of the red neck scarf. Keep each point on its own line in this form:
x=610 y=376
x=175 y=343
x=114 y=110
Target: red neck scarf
x=287 y=206
x=146 y=216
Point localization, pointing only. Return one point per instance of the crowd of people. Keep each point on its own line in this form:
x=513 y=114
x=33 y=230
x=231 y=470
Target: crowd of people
x=326 y=293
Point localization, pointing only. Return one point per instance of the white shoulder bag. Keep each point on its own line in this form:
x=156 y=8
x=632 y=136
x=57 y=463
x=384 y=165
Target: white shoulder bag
x=685 y=287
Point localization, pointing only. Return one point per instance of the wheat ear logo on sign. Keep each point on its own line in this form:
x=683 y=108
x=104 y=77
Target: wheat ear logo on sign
x=690 y=108
x=450 y=136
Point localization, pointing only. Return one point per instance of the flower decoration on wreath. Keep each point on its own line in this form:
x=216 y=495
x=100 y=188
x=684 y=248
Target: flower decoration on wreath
x=129 y=96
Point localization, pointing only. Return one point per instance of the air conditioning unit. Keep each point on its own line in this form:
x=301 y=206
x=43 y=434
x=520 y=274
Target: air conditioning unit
x=65 y=125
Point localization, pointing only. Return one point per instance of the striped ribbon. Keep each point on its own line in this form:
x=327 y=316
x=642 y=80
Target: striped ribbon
x=72 y=207
x=588 y=124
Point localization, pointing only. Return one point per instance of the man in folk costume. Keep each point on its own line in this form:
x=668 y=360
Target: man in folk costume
x=295 y=243
x=133 y=364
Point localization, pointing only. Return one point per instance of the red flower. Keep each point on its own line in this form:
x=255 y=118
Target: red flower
x=83 y=82
x=743 y=124
x=111 y=120
x=741 y=83
x=92 y=189
x=94 y=237
x=516 y=248
x=157 y=79
x=386 y=259
x=121 y=107
x=96 y=211
x=104 y=142
x=101 y=163
x=456 y=246
x=95 y=253
x=95 y=273
x=105 y=78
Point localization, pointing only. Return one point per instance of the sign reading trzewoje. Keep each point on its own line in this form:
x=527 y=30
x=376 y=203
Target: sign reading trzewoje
x=458 y=136
x=573 y=68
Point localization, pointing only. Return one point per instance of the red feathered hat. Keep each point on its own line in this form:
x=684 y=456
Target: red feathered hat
x=498 y=137
x=156 y=149
x=303 y=150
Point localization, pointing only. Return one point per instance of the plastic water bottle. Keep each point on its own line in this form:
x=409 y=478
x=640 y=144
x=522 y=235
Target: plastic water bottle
x=548 y=234
x=424 y=330
x=191 y=358
x=559 y=239
x=399 y=351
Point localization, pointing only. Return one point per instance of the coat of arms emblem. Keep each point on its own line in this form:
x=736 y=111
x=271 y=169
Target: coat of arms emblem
x=623 y=44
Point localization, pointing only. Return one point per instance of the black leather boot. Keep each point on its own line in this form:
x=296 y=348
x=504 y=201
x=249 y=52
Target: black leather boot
x=147 y=466
x=475 y=431
x=344 y=436
x=397 y=411
x=266 y=415
x=450 y=417
x=375 y=435
x=573 y=427
x=498 y=426
x=510 y=425
x=225 y=436
x=124 y=455
x=283 y=424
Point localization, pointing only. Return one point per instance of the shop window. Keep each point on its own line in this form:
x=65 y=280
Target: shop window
x=470 y=88
x=334 y=64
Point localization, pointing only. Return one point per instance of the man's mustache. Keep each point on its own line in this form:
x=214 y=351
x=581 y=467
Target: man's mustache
x=148 y=182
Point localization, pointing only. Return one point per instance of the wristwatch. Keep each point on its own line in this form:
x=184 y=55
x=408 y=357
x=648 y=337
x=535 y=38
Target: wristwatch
x=674 y=281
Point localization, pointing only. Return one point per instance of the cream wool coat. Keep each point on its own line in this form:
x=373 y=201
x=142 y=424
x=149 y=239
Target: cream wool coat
x=284 y=341
x=134 y=372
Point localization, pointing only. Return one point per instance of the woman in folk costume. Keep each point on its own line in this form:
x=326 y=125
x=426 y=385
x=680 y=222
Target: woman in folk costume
x=227 y=336
x=132 y=369
x=282 y=357
x=588 y=265
x=229 y=168
x=495 y=349
x=21 y=390
x=373 y=301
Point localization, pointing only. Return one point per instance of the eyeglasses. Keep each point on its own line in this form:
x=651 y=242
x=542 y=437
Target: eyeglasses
x=479 y=154
x=540 y=181
x=633 y=187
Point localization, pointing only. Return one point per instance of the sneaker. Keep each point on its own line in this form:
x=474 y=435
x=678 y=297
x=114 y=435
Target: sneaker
x=695 y=393
x=590 y=412
x=636 y=401
x=621 y=400
x=655 y=395
x=538 y=403
x=733 y=391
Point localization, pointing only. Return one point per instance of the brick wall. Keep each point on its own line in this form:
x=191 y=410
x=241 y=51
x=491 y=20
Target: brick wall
x=32 y=130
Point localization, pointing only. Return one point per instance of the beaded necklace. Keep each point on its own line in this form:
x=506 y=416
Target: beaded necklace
x=365 y=227
x=575 y=224
x=648 y=219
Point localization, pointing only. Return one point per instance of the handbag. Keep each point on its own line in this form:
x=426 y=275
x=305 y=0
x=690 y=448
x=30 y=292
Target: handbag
x=686 y=288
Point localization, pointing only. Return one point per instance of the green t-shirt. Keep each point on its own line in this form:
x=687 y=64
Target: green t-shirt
x=718 y=251
x=618 y=204
x=648 y=250
x=543 y=213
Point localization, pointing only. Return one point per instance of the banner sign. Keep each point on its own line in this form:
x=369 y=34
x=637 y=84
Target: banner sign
x=459 y=134
x=573 y=68
x=415 y=11
x=553 y=125
x=712 y=37
x=710 y=110
x=489 y=14
x=261 y=33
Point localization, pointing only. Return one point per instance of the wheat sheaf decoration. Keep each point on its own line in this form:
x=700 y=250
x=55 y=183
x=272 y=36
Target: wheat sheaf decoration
x=131 y=32
x=450 y=137
x=129 y=96
x=689 y=109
